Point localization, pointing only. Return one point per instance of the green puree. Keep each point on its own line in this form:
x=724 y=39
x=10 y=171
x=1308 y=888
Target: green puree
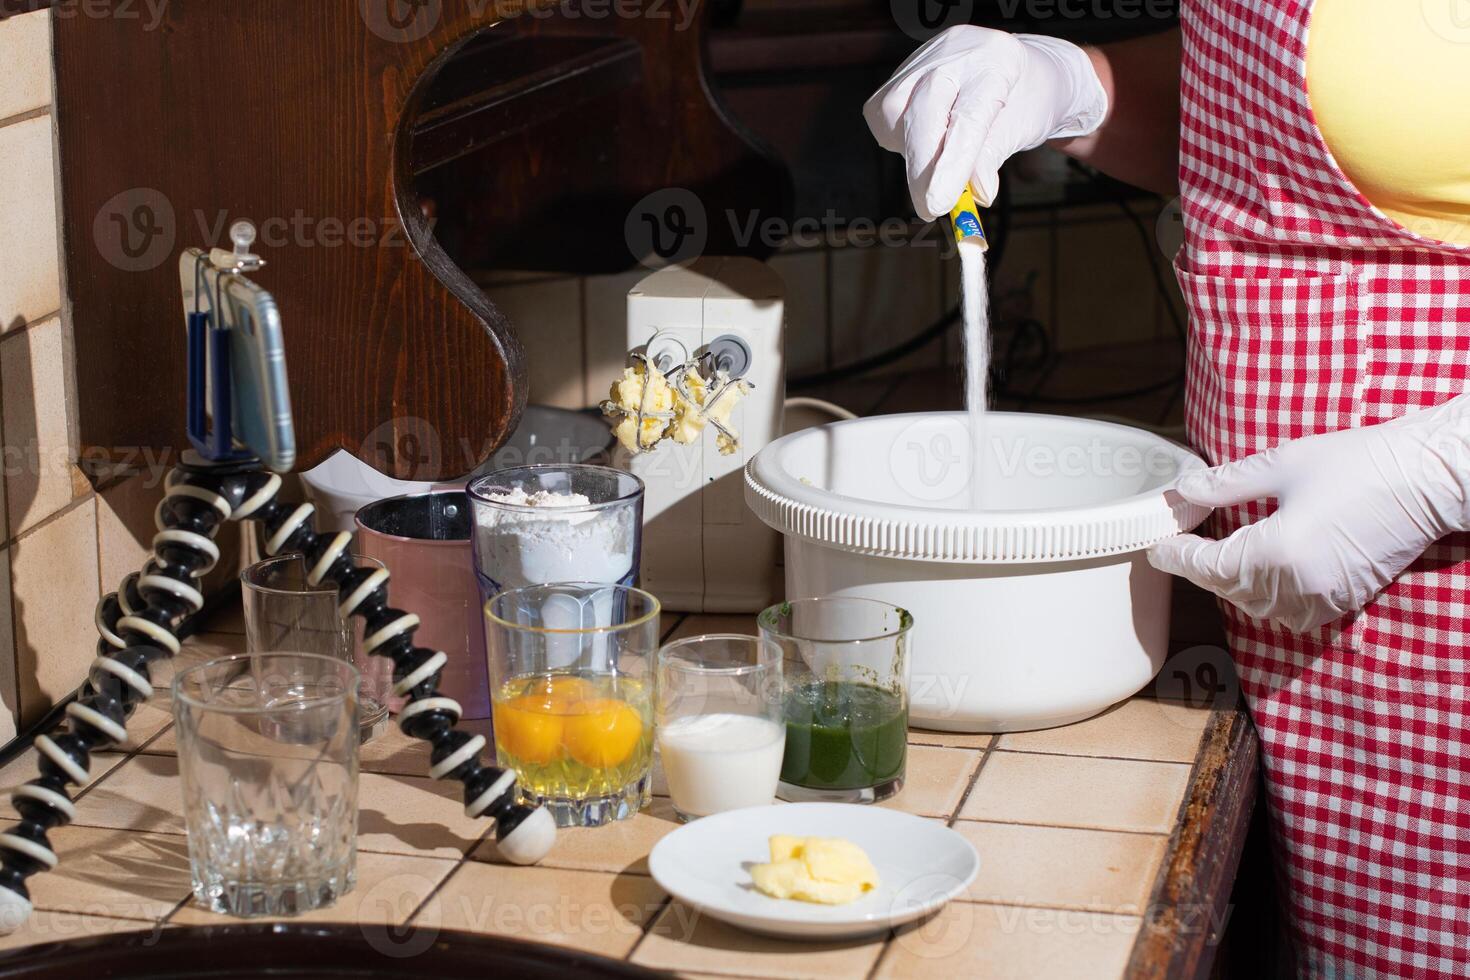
x=843 y=735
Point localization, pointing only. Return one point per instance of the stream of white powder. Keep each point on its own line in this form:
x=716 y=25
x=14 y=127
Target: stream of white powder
x=975 y=298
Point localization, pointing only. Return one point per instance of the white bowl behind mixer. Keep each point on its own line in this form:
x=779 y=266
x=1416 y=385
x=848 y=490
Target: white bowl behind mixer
x=1038 y=608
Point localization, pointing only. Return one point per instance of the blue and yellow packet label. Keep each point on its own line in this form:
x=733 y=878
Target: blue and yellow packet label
x=966 y=218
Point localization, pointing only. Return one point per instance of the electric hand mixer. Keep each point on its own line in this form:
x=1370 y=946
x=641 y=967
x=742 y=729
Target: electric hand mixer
x=224 y=479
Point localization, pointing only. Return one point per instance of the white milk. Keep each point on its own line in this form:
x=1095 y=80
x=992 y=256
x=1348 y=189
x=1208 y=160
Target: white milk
x=976 y=301
x=721 y=762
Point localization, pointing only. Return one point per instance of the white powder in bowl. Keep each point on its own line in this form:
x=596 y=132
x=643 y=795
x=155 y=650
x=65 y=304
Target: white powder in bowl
x=541 y=537
x=541 y=498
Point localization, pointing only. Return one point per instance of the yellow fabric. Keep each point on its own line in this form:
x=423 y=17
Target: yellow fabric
x=1390 y=87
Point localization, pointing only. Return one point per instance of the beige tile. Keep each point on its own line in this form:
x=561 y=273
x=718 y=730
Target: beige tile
x=47 y=926
x=1063 y=791
x=882 y=296
x=141 y=795
x=390 y=887
x=805 y=276
x=25 y=51
x=994 y=942
x=935 y=780
x=53 y=580
x=1140 y=728
x=125 y=527
x=199 y=648
x=24 y=767
x=30 y=277
x=594 y=912
x=40 y=478
x=1095 y=870
x=9 y=681
x=682 y=939
x=547 y=316
x=622 y=846
x=415 y=815
x=396 y=753
x=951 y=740
x=605 y=318
x=118 y=873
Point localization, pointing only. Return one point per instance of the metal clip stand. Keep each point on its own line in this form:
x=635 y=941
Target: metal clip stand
x=139 y=623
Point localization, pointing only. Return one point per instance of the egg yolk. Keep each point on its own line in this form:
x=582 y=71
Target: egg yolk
x=602 y=733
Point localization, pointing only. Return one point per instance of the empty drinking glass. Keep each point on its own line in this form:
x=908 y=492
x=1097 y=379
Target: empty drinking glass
x=720 y=730
x=283 y=612
x=268 y=768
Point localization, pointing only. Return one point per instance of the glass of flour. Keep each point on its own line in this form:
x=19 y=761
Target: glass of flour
x=536 y=525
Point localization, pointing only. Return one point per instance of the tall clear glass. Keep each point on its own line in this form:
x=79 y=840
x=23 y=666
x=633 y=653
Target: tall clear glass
x=527 y=534
x=268 y=768
x=721 y=734
x=571 y=676
x=283 y=612
x=845 y=661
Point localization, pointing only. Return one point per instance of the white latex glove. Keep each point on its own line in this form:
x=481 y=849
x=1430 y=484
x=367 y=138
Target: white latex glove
x=970 y=98
x=1354 y=509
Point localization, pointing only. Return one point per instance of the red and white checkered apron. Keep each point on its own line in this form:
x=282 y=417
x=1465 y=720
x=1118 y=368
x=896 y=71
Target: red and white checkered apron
x=1312 y=311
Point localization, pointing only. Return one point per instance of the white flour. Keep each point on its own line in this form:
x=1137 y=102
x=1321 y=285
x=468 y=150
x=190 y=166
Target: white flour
x=547 y=537
x=976 y=301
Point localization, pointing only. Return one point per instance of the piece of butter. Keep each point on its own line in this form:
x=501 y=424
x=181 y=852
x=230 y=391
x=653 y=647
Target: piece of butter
x=627 y=394
x=825 y=870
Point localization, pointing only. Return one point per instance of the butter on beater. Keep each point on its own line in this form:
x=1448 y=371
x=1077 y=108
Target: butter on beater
x=626 y=397
x=824 y=870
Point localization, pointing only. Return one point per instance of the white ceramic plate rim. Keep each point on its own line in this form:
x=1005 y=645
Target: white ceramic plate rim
x=880 y=910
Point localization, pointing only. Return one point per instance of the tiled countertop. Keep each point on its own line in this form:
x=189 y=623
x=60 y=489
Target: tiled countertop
x=1084 y=833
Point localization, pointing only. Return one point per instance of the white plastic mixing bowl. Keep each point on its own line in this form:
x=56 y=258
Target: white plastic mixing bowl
x=1038 y=608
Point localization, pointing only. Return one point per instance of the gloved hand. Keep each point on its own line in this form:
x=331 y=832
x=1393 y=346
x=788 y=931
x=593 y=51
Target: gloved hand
x=1354 y=509
x=970 y=98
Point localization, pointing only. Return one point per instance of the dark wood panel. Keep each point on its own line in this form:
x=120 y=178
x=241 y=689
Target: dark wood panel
x=302 y=117
x=293 y=116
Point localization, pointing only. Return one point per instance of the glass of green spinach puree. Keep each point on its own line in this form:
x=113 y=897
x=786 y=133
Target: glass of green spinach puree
x=845 y=662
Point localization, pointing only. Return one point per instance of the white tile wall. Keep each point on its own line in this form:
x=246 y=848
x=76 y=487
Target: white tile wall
x=30 y=284
x=547 y=314
x=49 y=554
x=40 y=476
x=25 y=58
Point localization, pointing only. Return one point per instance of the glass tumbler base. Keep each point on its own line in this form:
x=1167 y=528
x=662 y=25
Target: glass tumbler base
x=869 y=794
x=251 y=899
x=594 y=811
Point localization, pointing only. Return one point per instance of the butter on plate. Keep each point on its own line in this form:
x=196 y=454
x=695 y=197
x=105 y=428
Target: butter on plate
x=825 y=870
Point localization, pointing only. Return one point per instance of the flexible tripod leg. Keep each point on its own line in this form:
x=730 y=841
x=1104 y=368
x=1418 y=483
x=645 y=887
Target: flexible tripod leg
x=139 y=626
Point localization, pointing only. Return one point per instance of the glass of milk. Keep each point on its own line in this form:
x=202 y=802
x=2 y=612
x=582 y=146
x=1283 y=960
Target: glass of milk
x=718 y=723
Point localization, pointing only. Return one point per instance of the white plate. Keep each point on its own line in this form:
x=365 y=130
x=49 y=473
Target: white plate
x=921 y=864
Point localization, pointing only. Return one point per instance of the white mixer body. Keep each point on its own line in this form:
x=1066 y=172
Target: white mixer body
x=1008 y=648
x=1033 y=607
x=703 y=549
